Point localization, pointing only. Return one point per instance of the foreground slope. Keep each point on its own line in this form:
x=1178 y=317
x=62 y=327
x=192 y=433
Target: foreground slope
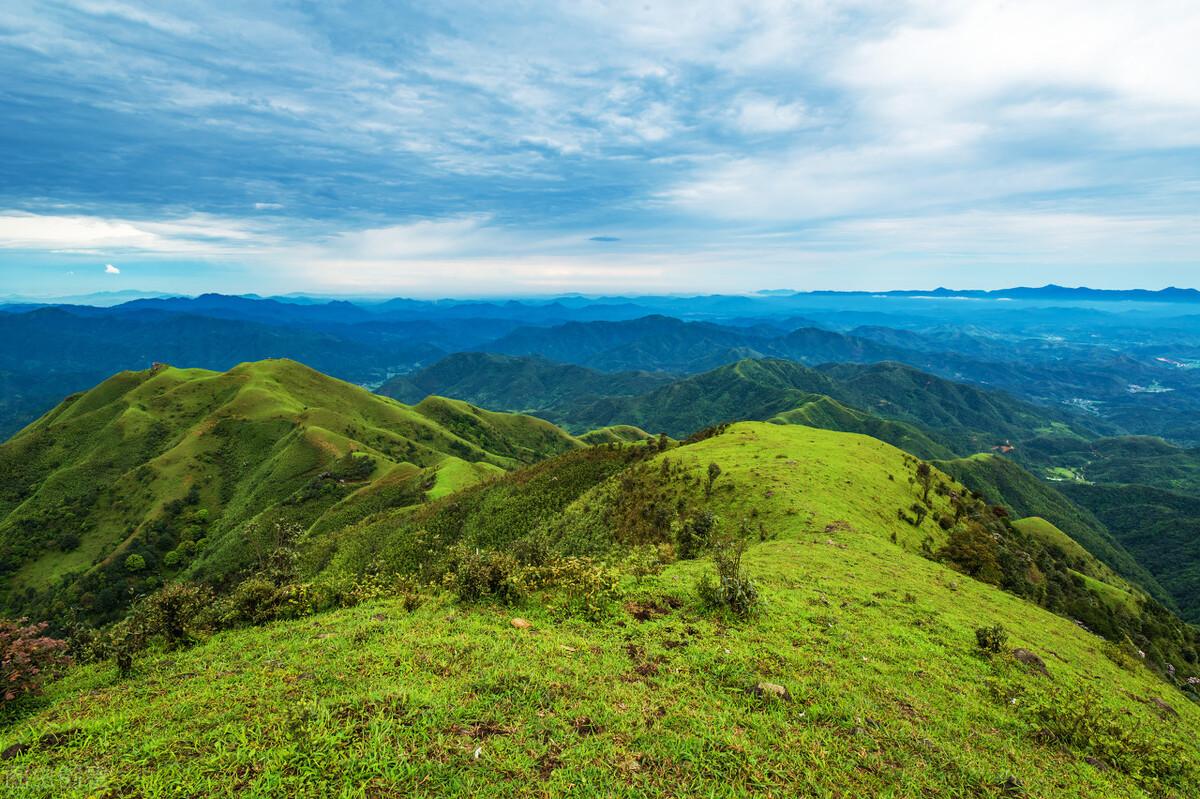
x=168 y=467
x=886 y=694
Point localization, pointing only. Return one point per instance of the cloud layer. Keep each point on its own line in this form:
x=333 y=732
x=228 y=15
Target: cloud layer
x=472 y=147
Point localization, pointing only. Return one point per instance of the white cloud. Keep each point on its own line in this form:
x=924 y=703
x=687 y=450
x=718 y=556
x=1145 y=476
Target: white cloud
x=757 y=114
x=109 y=269
x=197 y=234
x=1106 y=64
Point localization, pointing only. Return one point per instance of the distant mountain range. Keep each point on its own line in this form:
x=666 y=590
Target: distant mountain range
x=1049 y=291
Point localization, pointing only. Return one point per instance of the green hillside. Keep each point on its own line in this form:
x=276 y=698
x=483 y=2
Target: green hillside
x=780 y=391
x=968 y=418
x=1004 y=482
x=857 y=675
x=829 y=414
x=516 y=383
x=167 y=472
x=1160 y=528
x=747 y=389
x=1143 y=460
x=927 y=415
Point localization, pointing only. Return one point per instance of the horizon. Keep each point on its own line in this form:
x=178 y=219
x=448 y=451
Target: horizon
x=936 y=293
x=608 y=149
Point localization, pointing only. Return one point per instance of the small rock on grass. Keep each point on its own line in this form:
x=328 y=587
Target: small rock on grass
x=770 y=690
x=521 y=624
x=1031 y=660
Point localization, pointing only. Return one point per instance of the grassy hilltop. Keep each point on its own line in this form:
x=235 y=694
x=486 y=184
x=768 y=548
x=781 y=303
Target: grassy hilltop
x=859 y=674
x=169 y=465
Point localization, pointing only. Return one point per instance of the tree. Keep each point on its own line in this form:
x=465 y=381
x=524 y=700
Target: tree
x=714 y=471
x=135 y=563
x=925 y=477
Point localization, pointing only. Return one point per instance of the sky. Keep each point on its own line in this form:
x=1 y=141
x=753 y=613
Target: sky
x=481 y=149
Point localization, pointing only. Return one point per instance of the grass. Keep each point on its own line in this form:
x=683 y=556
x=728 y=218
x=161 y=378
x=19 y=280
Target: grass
x=1096 y=571
x=875 y=645
x=889 y=699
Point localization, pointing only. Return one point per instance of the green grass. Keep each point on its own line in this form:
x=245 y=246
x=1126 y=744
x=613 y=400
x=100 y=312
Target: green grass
x=1049 y=534
x=614 y=434
x=1090 y=567
x=875 y=645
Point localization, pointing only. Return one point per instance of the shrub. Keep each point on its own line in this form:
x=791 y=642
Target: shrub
x=588 y=588
x=714 y=471
x=256 y=600
x=473 y=574
x=644 y=561
x=1124 y=654
x=135 y=563
x=694 y=535
x=1076 y=719
x=28 y=658
x=177 y=612
x=732 y=589
x=991 y=640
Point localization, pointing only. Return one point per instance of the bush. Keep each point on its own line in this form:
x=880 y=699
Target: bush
x=135 y=563
x=28 y=658
x=588 y=588
x=732 y=589
x=991 y=640
x=178 y=613
x=256 y=600
x=714 y=471
x=1124 y=654
x=645 y=561
x=694 y=535
x=472 y=574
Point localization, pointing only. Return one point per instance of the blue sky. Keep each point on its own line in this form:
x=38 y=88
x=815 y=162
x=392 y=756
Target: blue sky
x=524 y=148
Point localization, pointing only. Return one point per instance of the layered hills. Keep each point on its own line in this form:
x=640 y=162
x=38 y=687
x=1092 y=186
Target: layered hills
x=167 y=472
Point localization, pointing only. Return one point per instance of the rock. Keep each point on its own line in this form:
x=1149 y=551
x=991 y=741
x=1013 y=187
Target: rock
x=770 y=690
x=1011 y=786
x=1163 y=708
x=1031 y=660
x=521 y=624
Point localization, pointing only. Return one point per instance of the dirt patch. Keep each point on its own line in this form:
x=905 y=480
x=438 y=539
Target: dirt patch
x=584 y=726
x=51 y=740
x=480 y=730
x=548 y=762
x=645 y=611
